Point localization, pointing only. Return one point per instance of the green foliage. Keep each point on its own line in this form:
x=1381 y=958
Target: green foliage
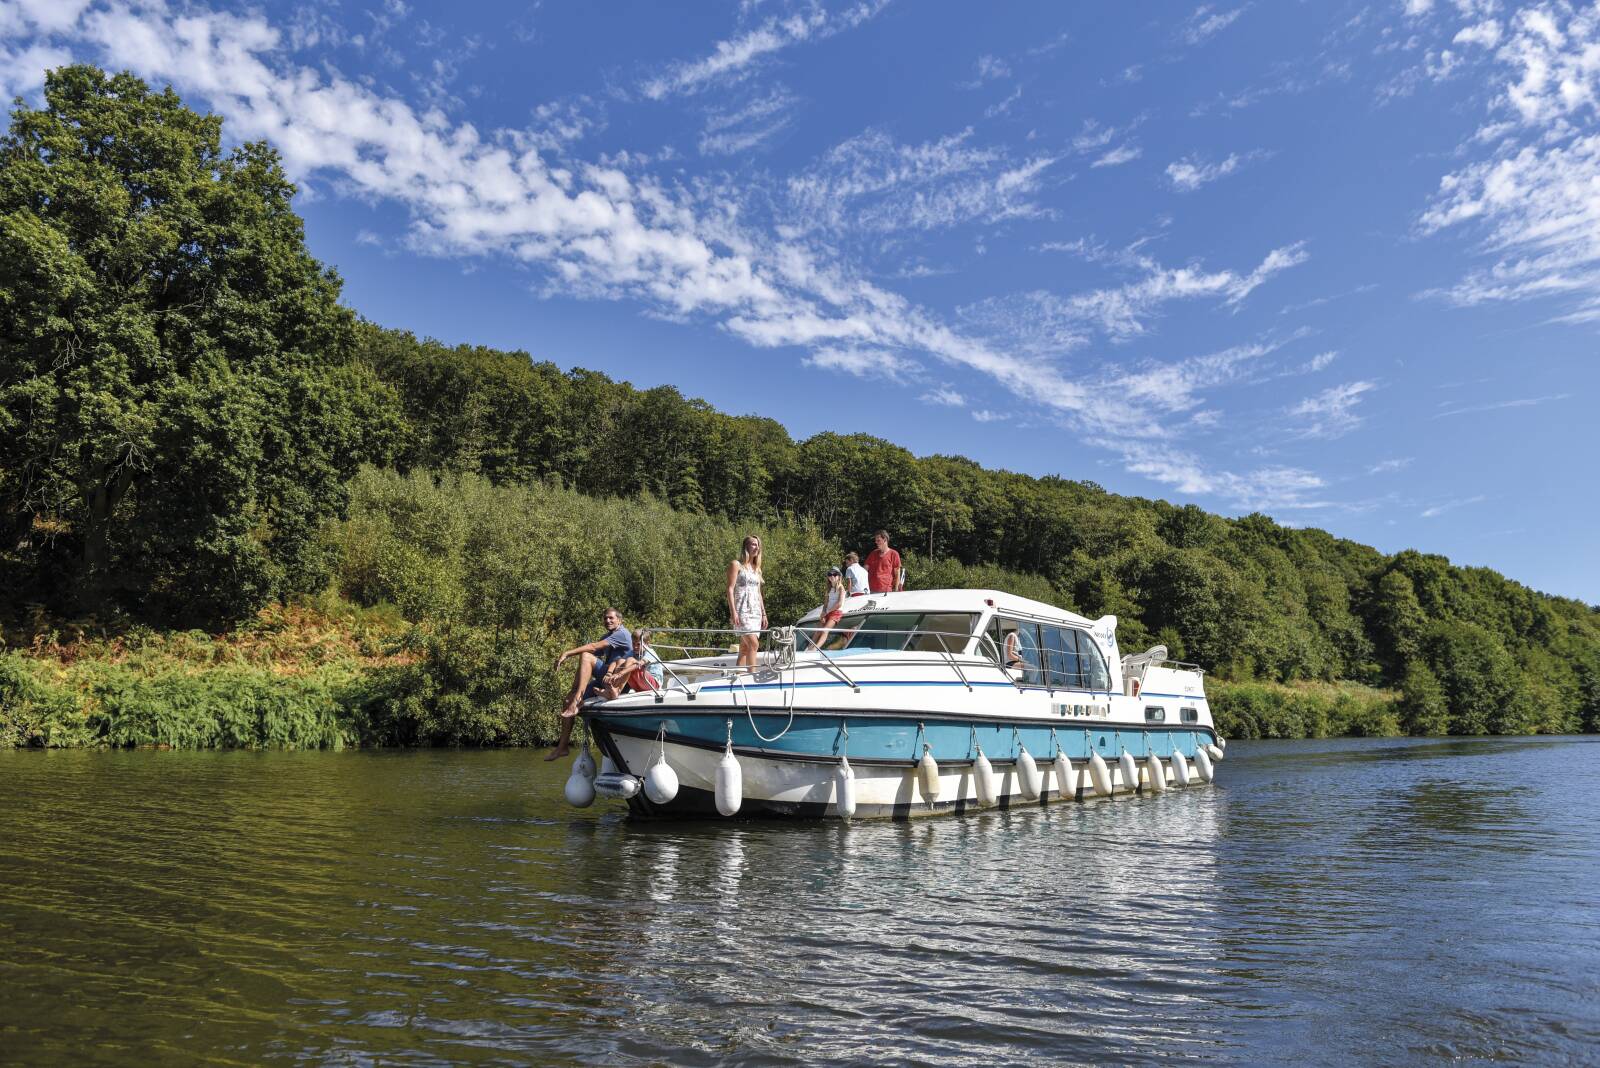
x=180 y=408
x=102 y=703
x=1304 y=710
x=1423 y=707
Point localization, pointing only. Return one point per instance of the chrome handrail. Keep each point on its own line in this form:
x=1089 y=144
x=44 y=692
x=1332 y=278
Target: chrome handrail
x=988 y=653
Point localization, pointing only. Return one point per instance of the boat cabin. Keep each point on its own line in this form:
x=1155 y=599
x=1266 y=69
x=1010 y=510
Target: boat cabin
x=1037 y=643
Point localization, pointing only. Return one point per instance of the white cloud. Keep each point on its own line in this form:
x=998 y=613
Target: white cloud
x=944 y=395
x=1175 y=387
x=1206 y=21
x=984 y=415
x=989 y=69
x=1485 y=34
x=1447 y=506
x=1118 y=156
x=731 y=58
x=1189 y=174
x=1321 y=360
x=1003 y=106
x=1383 y=466
x=1273 y=488
x=732 y=131
x=1331 y=413
x=1494 y=406
x=1043 y=322
x=1415 y=8
x=871 y=182
x=1534 y=199
x=864 y=363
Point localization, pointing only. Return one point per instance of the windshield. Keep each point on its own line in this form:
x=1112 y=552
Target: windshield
x=930 y=632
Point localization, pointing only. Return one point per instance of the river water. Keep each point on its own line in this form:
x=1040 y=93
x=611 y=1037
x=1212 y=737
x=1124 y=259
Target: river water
x=1334 y=901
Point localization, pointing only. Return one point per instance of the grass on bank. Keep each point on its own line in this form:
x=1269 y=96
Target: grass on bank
x=296 y=677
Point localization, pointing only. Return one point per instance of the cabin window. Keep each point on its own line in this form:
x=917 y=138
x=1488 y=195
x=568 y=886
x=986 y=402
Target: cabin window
x=942 y=632
x=1018 y=643
x=1061 y=658
x=1154 y=714
x=1093 y=663
x=1189 y=715
x=890 y=631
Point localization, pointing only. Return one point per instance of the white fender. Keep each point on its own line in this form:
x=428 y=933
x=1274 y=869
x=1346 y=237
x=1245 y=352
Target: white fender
x=730 y=783
x=1066 y=781
x=928 y=774
x=1180 y=767
x=1222 y=743
x=1158 y=774
x=983 y=778
x=1099 y=775
x=1216 y=753
x=580 y=787
x=661 y=784
x=1202 y=763
x=1028 y=777
x=844 y=789
x=1130 y=770
x=584 y=765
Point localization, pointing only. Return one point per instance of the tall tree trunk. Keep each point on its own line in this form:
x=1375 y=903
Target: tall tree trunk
x=95 y=573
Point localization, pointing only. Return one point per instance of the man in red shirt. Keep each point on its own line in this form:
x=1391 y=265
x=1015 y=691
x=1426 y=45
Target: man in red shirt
x=884 y=573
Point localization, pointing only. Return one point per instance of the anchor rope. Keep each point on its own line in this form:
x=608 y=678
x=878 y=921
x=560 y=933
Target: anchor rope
x=789 y=703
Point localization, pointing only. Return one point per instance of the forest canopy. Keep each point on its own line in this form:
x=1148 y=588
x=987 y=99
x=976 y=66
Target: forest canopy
x=185 y=407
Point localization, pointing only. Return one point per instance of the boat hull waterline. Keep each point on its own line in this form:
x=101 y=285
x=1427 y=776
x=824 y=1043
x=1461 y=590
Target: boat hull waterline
x=780 y=786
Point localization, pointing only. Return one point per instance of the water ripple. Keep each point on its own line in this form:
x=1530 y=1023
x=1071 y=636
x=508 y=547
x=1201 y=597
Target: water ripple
x=1376 y=901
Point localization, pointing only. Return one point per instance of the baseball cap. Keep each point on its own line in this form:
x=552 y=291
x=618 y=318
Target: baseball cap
x=834 y=571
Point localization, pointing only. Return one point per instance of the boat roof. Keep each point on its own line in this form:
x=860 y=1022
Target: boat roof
x=955 y=601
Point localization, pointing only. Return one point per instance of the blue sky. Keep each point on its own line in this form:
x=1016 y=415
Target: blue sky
x=1335 y=261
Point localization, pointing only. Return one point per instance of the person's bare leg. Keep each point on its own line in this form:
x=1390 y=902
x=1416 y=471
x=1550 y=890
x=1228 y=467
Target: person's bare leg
x=569 y=712
x=585 y=673
x=748 y=644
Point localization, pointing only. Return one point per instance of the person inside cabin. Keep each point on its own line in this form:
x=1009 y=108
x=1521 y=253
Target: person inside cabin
x=595 y=660
x=1013 y=653
x=747 y=610
x=884 y=573
x=833 y=598
x=855 y=576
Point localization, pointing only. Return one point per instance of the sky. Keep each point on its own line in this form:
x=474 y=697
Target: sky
x=1337 y=262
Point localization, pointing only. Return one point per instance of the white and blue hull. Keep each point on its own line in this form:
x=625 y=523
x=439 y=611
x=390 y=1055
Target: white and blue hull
x=884 y=720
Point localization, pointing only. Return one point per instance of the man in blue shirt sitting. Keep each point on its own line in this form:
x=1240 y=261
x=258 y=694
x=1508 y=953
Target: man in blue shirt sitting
x=595 y=660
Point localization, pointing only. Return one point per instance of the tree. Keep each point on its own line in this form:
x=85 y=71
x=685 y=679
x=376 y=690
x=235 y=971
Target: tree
x=1422 y=703
x=179 y=411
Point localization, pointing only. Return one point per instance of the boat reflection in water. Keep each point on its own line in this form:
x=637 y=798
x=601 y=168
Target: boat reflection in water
x=1011 y=928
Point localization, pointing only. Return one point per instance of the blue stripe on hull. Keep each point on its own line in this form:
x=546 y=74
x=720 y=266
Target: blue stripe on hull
x=900 y=741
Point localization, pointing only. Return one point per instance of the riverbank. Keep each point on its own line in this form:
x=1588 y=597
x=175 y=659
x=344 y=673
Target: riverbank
x=324 y=673
x=301 y=676
x=1304 y=710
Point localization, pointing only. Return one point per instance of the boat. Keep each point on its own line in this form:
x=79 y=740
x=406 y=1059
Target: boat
x=914 y=703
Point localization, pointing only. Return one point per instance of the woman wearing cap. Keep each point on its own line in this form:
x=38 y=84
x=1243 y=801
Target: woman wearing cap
x=833 y=596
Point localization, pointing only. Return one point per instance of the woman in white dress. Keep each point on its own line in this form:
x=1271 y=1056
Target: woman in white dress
x=747 y=610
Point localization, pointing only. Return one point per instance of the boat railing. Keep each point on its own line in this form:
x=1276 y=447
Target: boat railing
x=678 y=648
x=1137 y=670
